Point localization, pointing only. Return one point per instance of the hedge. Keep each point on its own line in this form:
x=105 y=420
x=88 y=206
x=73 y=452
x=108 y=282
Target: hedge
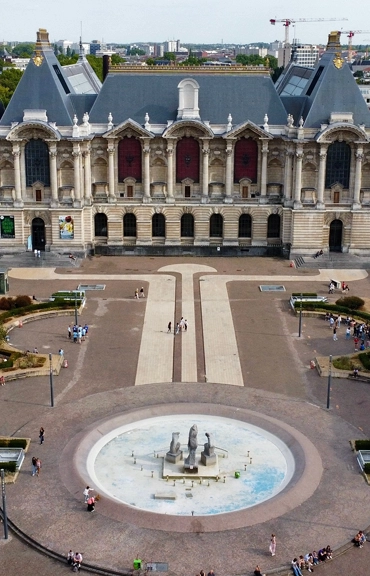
x=13 y=443
x=9 y=466
x=35 y=308
x=331 y=308
x=362 y=445
x=364 y=358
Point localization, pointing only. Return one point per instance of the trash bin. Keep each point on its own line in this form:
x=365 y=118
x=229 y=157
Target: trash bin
x=4 y=282
x=137 y=564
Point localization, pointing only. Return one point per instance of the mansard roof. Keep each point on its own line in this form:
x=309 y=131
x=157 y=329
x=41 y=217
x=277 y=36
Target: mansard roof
x=329 y=87
x=132 y=94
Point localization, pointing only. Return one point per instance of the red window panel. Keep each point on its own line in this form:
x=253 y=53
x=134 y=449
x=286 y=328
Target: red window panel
x=245 y=159
x=129 y=159
x=187 y=159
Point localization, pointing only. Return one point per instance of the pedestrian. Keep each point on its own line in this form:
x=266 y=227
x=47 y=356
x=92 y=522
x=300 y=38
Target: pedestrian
x=169 y=328
x=137 y=294
x=61 y=352
x=335 y=337
x=86 y=493
x=339 y=320
x=272 y=546
x=35 y=253
x=177 y=328
x=348 y=333
x=74 y=334
x=142 y=295
x=86 y=328
x=35 y=351
x=38 y=466
x=91 y=504
x=295 y=567
x=2 y=381
x=69 y=331
x=331 y=322
x=186 y=325
x=355 y=341
x=83 y=334
x=38 y=254
x=77 y=560
x=211 y=573
x=33 y=463
x=70 y=557
x=257 y=571
x=42 y=435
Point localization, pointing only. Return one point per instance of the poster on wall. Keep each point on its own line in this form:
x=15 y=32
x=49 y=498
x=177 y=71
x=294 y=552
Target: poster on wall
x=7 y=229
x=66 y=227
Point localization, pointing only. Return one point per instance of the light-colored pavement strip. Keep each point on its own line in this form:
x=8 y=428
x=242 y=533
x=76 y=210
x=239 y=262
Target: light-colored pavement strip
x=188 y=339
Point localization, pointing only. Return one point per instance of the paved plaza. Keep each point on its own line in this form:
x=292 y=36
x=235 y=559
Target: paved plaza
x=240 y=357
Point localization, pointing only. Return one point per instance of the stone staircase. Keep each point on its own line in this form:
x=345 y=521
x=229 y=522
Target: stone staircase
x=334 y=260
x=46 y=260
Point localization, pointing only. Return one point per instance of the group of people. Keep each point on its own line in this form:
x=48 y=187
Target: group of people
x=74 y=560
x=360 y=539
x=359 y=331
x=139 y=293
x=343 y=285
x=202 y=573
x=89 y=499
x=181 y=326
x=77 y=332
x=310 y=560
x=36 y=466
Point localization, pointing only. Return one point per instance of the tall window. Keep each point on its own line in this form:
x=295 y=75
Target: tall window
x=216 y=226
x=37 y=162
x=101 y=224
x=245 y=226
x=129 y=224
x=245 y=159
x=129 y=159
x=187 y=159
x=338 y=161
x=158 y=225
x=187 y=226
x=273 y=226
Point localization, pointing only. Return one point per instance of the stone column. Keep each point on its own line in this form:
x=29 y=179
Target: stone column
x=170 y=197
x=146 y=151
x=288 y=175
x=298 y=177
x=17 y=174
x=111 y=179
x=87 y=173
x=23 y=170
x=53 y=174
x=76 y=169
x=205 y=184
x=321 y=177
x=358 y=178
x=229 y=172
x=265 y=149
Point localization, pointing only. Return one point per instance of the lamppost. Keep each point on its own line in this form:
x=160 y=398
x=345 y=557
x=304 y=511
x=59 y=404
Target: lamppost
x=300 y=319
x=5 y=517
x=51 y=381
x=329 y=383
x=76 y=314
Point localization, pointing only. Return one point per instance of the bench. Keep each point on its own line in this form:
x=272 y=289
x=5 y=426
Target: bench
x=360 y=378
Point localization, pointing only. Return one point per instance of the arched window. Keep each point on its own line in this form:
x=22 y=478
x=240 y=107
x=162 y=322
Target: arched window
x=101 y=224
x=187 y=226
x=245 y=226
x=216 y=226
x=37 y=162
x=129 y=224
x=159 y=225
x=273 y=226
x=187 y=160
x=245 y=160
x=129 y=159
x=338 y=163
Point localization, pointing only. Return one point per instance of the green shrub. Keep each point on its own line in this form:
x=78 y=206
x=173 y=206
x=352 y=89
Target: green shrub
x=326 y=307
x=364 y=358
x=350 y=302
x=7 y=364
x=60 y=304
x=343 y=363
x=362 y=444
x=22 y=301
x=13 y=443
x=4 y=303
x=9 y=466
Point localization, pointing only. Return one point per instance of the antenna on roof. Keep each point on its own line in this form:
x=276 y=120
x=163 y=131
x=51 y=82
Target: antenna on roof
x=81 y=55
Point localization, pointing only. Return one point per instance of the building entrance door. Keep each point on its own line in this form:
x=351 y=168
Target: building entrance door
x=38 y=234
x=335 y=236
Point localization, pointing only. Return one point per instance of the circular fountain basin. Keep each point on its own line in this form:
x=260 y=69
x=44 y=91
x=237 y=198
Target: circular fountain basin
x=128 y=465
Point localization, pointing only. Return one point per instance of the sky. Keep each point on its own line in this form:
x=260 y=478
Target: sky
x=192 y=21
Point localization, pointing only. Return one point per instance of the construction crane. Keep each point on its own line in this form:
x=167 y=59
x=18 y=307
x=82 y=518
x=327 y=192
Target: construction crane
x=350 y=35
x=288 y=21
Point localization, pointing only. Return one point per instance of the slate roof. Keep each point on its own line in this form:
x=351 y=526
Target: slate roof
x=329 y=89
x=131 y=95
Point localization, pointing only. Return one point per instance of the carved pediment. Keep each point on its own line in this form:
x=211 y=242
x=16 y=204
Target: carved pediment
x=187 y=128
x=33 y=130
x=343 y=133
x=128 y=128
x=248 y=129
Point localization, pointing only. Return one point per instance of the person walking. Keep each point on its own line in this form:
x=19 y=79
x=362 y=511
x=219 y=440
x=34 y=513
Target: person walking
x=42 y=435
x=142 y=295
x=335 y=337
x=272 y=546
x=38 y=466
x=177 y=328
x=69 y=331
x=33 y=463
x=86 y=493
x=348 y=333
x=137 y=294
x=185 y=325
x=355 y=341
x=91 y=504
x=169 y=328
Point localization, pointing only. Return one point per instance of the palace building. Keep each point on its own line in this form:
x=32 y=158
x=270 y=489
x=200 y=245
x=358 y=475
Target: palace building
x=194 y=160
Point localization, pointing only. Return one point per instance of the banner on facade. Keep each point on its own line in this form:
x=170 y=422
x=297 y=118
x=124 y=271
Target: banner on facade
x=66 y=227
x=7 y=229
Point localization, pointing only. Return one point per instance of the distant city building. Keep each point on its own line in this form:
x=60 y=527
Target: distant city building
x=20 y=63
x=95 y=46
x=85 y=47
x=251 y=51
x=303 y=54
x=172 y=46
x=64 y=45
x=365 y=91
x=158 y=50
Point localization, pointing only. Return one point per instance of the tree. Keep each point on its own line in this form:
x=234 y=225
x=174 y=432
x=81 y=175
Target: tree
x=193 y=61
x=136 y=52
x=67 y=60
x=276 y=73
x=150 y=62
x=23 y=49
x=116 y=59
x=169 y=56
x=96 y=64
x=8 y=82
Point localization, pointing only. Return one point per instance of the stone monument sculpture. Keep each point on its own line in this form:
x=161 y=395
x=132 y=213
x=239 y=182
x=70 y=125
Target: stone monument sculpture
x=208 y=456
x=174 y=454
x=190 y=462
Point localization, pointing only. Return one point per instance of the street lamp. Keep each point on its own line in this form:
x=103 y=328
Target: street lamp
x=300 y=319
x=329 y=383
x=51 y=381
x=5 y=517
x=76 y=314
